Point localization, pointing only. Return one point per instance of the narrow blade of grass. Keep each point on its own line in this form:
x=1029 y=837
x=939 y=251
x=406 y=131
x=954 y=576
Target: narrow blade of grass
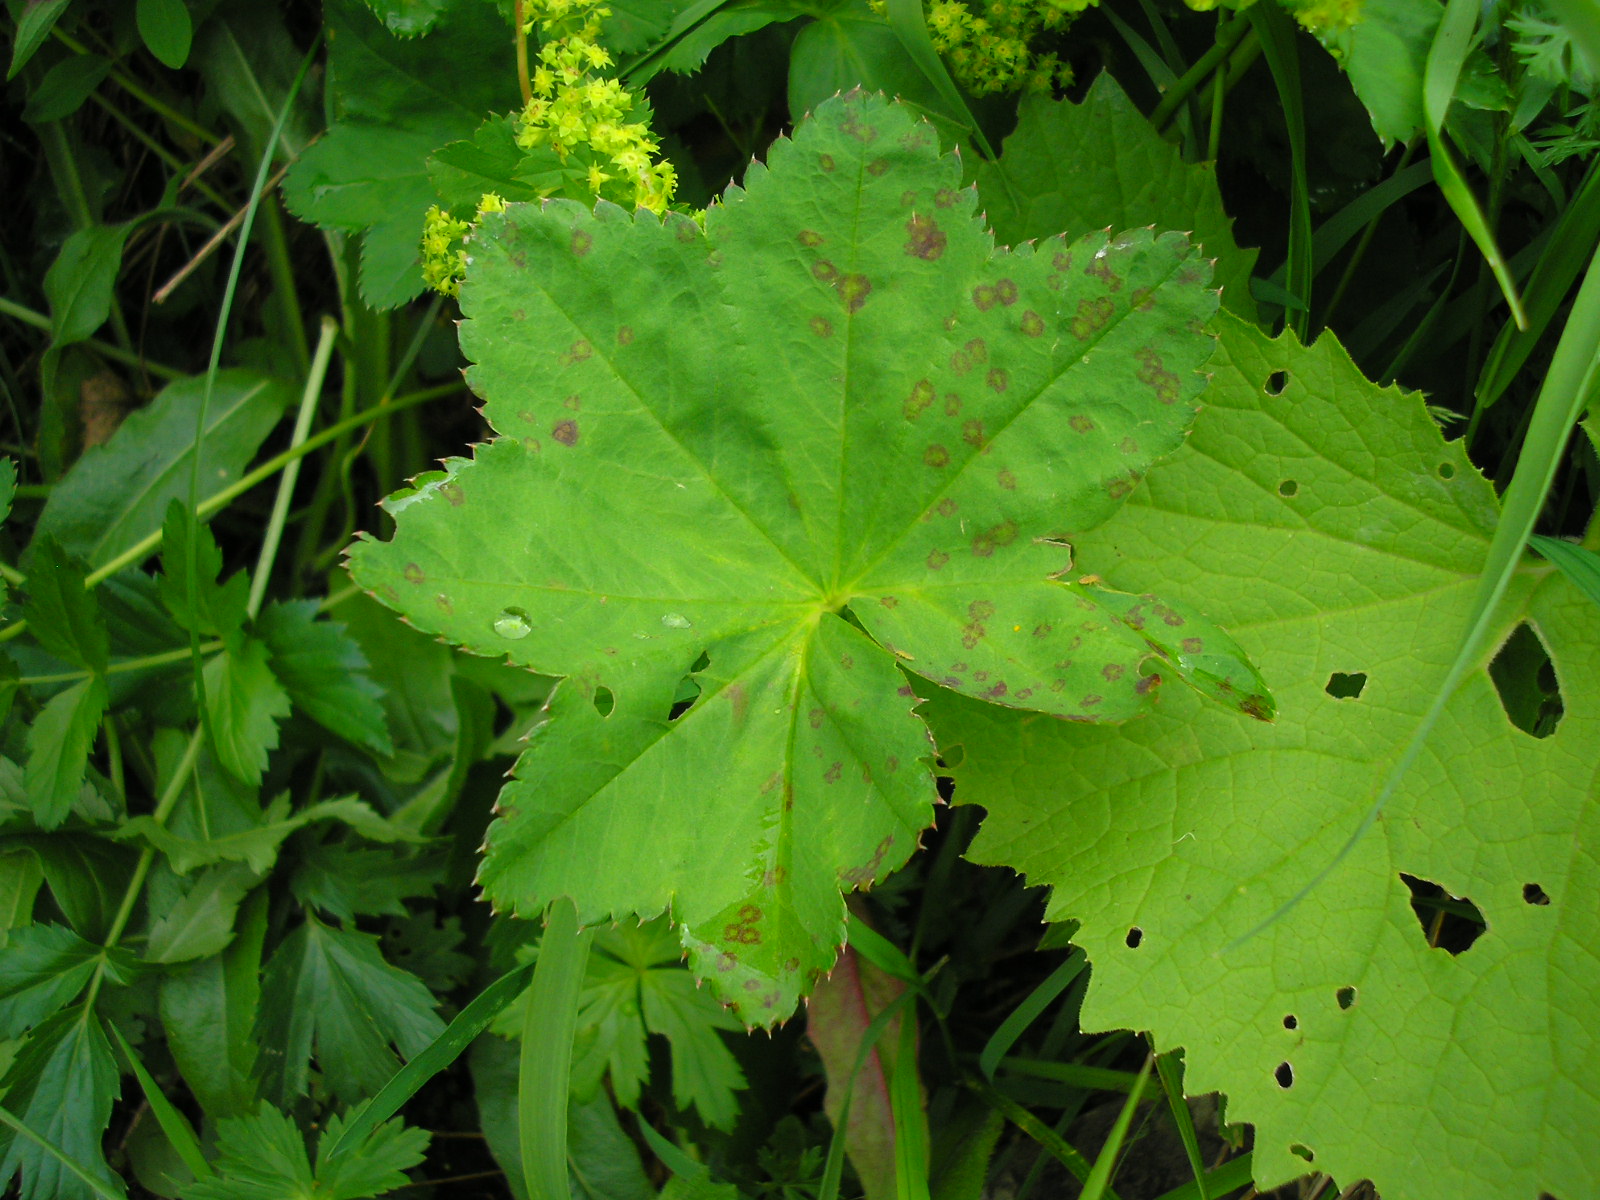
x=1048 y=1139
x=1231 y=1175
x=469 y=1023
x=1577 y=564
x=1098 y=1184
x=173 y=1123
x=1026 y=1013
x=910 y=1122
x=1170 y=1068
x=1276 y=34
x=546 y=1068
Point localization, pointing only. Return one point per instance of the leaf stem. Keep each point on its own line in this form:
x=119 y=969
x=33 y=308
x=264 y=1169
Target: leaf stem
x=38 y=320
x=519 y=19
x=143 y=663
x=1228 y=36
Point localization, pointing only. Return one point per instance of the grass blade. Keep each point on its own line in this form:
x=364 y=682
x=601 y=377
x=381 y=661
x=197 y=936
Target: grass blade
x=1445 y=58
x=910 y=1122
x=546 y=1067
x=1026 y=1013
x=173 y=1123
x=1277 y=37
x=1230 y=1176
x=1049 y=1140
x=1581 y=566
x=445 y=1049
x=1170 y=1068
x=1098 y=1184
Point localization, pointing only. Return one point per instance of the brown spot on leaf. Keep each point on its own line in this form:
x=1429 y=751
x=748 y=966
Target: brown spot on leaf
x=984 y=297
x=937 y=559
x=1003 y=534
x=581 y=242
x=1006 y=480
x=1061 y=260
x=981 y=676
x=1005 y=291
x=936 y=456
x=1092 y=317
x=972 y=432
x=831 y=775
x=1081 y=423
x=977 y=350
x=815 y=718
x=1113 y=671
x=825 y=161
x=573 y=402
x=1140 y=299
x=808 y=237
x=1032 y=323
x=944 y=197
x=952 y=404
x=444 y=603
x=960 y=362
x=998 y=379
x=908 y=197
x=1100 y=269
x=1147 y=684
x=921 y=396
x=1128 y=446
x=414 y=573
x=924 y=238
x=624 y=335
x=565 y=432
x=847 y=662
x=1151 y=371
x=853 y=290
x=1118 y=488
x=877 y=166
x=888 y=601
x=998 y=690
x=824 y=271
x=1090 y=701
x=947 y=507
x=822 y=327
x=1192 y=645
x=1042 y=629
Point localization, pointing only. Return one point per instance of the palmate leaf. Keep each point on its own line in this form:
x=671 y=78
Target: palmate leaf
x=835 y=435
x=1342 y=537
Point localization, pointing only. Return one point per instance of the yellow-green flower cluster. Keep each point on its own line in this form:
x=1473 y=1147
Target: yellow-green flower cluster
x=444 y=256
x=444 y=261
x=589 y=120
x=989 y=45
x=1317 y=16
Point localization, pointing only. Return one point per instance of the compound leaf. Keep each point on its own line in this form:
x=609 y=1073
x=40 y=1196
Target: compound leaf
x=1341 y=537
x=331 y=992
x=770 y=465
x=62 y=1084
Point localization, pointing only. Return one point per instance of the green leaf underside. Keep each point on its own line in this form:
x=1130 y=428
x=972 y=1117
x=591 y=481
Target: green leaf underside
x=835 y=435
x=1194 y=829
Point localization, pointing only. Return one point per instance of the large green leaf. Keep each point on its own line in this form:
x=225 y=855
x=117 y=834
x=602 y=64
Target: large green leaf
x=393 y=101
x=835 y=435
x=1071 y=166
x=1340 y=536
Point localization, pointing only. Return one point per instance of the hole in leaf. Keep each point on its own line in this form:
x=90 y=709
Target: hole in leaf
x=1300 y=1151
x=688 y=689
x=1450 y=922
x=1135 y=936
x=1446 y=471
x=604 y=701
x=1346 y=996
x=1534 y=894
x=1288 y=488
x=1276 y=382
x=1284 y=1075
x=1346 y=687
x=1525 y=679
x=1291 y=1022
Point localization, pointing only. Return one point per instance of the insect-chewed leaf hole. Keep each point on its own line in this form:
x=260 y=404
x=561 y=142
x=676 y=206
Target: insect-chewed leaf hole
x=1346 y=996
x=1135 y=936
x=1289 y=487
x=1290 y=1021
x=1534 y=894
x=1276 y=382
x=1342 y=686
x=604 y=701
x=1451 y=923
x=688 y=688
x=1284 y=1074
x=1299 y=1150
x=1525 y=680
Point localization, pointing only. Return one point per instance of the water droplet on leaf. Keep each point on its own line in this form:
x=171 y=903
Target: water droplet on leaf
x=513 y=623
x=676 y=621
